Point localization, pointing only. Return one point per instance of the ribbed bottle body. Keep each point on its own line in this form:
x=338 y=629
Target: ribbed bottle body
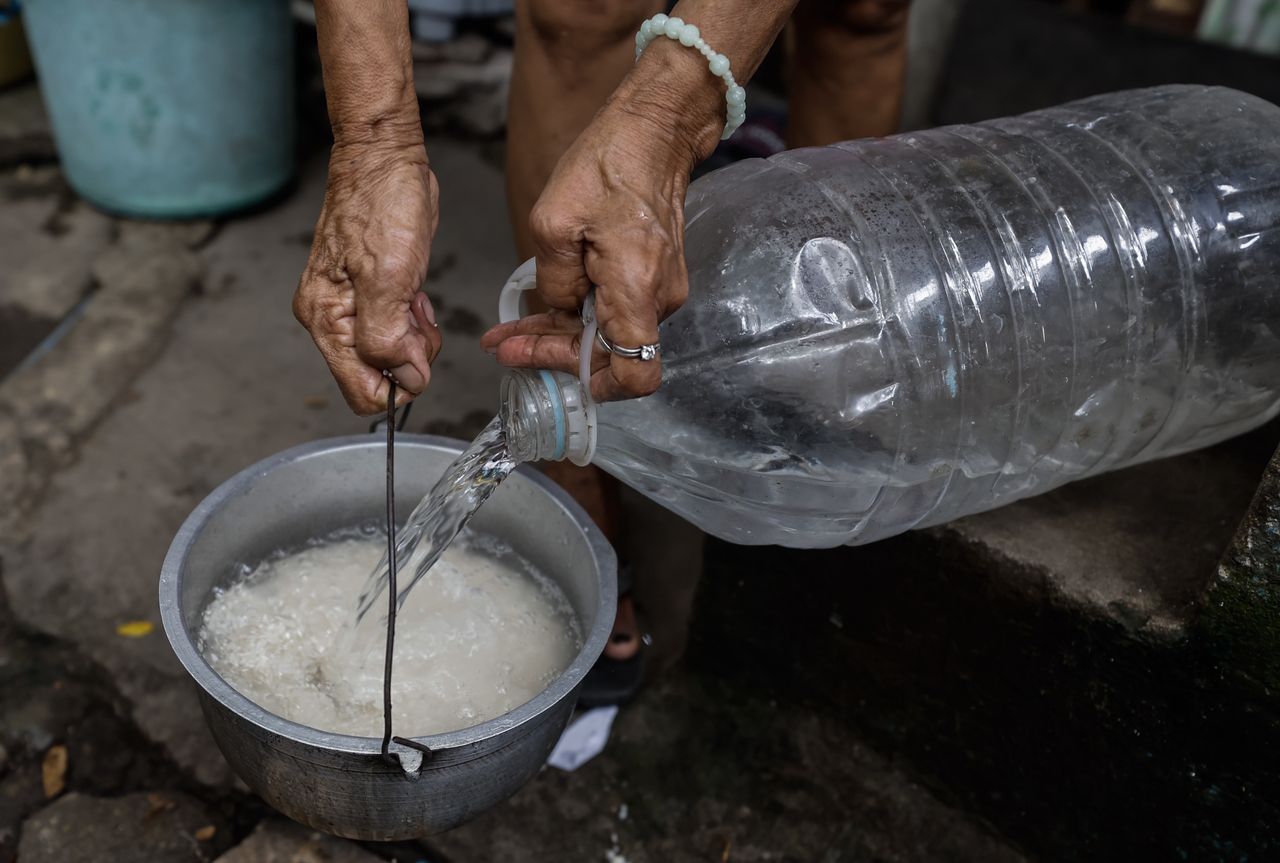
x=893 y=333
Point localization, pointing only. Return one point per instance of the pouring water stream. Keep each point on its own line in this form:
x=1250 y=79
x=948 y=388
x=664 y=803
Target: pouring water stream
x=434 y=523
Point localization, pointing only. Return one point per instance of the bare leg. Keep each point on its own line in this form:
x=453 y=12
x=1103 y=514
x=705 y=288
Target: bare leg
x=569 y=56
x=847 y=67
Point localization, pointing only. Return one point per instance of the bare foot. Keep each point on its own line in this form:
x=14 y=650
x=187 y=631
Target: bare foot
x=624 y=641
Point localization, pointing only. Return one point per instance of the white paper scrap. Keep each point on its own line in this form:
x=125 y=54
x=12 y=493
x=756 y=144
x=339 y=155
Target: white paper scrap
x=584 y=739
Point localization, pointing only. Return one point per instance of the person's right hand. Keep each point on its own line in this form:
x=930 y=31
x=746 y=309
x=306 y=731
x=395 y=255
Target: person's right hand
x=360 y=296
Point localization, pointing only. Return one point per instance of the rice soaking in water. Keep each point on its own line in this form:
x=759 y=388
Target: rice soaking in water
x=481 y=634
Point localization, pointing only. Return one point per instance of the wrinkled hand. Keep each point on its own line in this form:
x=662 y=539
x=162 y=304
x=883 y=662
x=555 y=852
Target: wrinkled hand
x=359 y=296
x=612 y=215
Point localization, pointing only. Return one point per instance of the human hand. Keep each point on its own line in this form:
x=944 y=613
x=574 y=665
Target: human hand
x=612 y=216
x=359 y=295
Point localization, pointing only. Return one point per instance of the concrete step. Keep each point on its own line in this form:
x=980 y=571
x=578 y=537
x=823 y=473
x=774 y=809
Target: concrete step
x=1138 y=547
x=1074 y=668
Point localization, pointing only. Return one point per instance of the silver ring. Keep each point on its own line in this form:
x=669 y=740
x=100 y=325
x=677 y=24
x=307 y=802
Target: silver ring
x=644 y=352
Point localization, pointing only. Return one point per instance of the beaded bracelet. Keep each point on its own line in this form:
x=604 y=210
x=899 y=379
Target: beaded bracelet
x=735 y=97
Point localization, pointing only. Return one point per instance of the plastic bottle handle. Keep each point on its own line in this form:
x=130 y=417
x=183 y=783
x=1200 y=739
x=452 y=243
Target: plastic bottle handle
x=523 y=279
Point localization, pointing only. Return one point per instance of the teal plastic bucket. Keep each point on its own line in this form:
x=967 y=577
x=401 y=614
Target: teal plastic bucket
x=168 y=108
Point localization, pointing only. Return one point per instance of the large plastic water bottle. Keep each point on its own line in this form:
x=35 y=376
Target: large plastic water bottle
x=889 y=334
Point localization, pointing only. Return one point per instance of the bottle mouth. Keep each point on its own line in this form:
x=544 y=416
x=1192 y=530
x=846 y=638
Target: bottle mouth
x=525 y=401
x=545 y=417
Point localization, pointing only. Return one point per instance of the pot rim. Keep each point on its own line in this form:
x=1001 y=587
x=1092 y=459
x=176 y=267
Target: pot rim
x=182 y=641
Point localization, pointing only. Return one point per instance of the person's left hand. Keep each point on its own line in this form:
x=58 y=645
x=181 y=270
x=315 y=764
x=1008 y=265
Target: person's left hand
x=612 y=215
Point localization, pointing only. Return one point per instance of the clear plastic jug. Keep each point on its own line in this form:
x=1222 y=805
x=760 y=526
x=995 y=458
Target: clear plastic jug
x=889 y=334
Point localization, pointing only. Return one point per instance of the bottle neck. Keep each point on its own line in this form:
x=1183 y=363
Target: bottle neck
x=546 y=418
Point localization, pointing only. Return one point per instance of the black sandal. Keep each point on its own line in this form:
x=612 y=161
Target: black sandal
x=616 y=681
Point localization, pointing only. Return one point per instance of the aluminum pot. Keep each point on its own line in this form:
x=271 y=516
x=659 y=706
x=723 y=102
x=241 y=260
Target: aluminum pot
x=339 y=783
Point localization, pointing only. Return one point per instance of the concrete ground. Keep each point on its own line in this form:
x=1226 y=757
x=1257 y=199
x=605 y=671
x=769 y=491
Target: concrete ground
x=1027 y=683
x=182 y=364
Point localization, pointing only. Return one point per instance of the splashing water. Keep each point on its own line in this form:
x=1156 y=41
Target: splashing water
x=436 y=520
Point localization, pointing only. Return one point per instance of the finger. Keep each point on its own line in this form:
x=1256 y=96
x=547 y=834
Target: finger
x=631 y=325
x=410 y=378
x=326 y=309
x=433 y=342
x=559 y=242
x=403 y=396
x=424 y=316
x=675 y=288
x=497 y=335
x=405 y=348
x=558 y=352
x=423 y=312
x=363 y=388
x=548 y=323
x=421 y=347
x=629 y=320
x=626 y=379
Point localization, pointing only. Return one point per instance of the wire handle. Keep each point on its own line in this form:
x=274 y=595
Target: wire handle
x=392 y=591
x=523 y=279
x=391 y=563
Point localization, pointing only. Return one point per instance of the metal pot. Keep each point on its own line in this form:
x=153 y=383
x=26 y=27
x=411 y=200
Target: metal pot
x=336 y=782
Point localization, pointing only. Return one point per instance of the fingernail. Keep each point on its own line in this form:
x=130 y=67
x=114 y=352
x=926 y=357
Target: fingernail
x=492 y=350
x=428 y=309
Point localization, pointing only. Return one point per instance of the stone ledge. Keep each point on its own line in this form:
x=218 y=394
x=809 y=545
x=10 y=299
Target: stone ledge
x=1024 y=682
x=1241 y=606
x=160 y=827
x=1137 y=547
x=46 y=407
x=279 y=841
